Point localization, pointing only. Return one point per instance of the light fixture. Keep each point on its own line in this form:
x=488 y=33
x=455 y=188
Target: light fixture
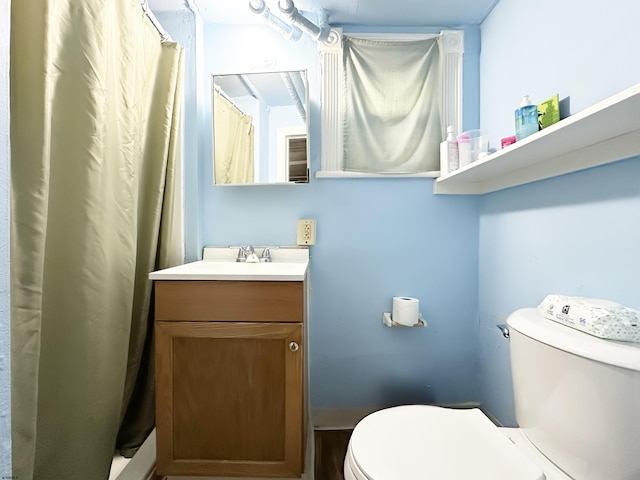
x=294 y=22
x=287 y=31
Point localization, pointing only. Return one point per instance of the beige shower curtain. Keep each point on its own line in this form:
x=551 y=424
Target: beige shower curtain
x=233 y=143
x=96 y=205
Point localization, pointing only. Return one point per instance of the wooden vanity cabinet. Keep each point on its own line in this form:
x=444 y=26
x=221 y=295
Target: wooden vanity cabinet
x=230 y=397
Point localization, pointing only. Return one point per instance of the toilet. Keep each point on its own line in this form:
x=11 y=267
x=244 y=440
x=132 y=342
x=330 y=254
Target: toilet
x=577 y=404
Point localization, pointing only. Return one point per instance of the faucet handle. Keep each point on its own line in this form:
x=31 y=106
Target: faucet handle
x=242 y=255
x=266 y=255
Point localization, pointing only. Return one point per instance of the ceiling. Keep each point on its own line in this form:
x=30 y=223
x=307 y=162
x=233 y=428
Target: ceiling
x=377 y=13
x=270 y=88
x=398 y=13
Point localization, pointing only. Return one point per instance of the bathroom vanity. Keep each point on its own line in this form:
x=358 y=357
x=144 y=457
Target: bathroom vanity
x=231 y=366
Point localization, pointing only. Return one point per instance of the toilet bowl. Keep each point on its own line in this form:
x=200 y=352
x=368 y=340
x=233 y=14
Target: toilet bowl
x=418 y=442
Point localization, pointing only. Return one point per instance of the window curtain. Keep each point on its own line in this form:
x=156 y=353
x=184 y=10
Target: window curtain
x=233 y=143
x=95 y=206
x=392 y=105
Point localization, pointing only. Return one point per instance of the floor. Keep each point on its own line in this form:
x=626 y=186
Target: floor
x=331 y=447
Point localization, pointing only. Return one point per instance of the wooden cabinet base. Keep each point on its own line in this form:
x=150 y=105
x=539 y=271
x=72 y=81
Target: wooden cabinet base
x=230 y=398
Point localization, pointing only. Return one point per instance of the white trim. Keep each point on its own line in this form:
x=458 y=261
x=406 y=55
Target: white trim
x=452 y=50
x=331 y=73
x=345 y=174
x=284 y=134
x=395 y=37
x=332 y=85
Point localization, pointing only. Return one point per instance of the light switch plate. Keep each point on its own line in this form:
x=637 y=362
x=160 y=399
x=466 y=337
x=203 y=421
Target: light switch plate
x=306 y=232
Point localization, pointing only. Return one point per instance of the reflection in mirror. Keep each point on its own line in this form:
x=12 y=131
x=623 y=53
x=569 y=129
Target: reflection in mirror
x=260 y=128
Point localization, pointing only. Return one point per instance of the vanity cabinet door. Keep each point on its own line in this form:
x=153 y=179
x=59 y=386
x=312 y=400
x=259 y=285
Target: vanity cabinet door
x=229 y=399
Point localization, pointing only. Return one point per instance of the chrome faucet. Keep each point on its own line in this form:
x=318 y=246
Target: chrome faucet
x=242 y=255
x=248 y=254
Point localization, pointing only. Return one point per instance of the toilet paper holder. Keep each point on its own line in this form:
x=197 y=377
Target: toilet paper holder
x=386 y=320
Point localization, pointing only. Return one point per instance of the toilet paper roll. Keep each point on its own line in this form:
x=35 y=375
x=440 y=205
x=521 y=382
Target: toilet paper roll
x=406 y=311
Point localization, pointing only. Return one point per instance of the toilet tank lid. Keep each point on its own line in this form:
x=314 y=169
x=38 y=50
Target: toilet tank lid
x=529 y=322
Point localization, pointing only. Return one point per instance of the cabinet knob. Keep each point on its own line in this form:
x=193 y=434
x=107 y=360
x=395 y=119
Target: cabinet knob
x=294 y=347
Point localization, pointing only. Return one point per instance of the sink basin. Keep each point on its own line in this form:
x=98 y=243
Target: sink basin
x=219 y=263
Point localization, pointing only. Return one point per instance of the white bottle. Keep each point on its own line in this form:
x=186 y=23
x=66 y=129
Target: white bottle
x=453 y=156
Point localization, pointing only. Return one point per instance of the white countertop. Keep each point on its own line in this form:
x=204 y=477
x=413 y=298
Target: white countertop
x=218 y=263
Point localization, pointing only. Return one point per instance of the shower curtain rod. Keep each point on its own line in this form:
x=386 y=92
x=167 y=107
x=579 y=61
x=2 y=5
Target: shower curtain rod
x=224 y=95
x=164 y=36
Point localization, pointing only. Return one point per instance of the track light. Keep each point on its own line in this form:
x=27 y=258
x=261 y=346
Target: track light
x=294 y=22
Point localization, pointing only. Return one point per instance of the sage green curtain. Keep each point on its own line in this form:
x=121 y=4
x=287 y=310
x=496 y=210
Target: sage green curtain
x=95 y=206
x=392 y=113
x=233 y=143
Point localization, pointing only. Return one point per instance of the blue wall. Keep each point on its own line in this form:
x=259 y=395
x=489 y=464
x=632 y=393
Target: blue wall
x=376 y=238
x=577 y=234
x=470 y=260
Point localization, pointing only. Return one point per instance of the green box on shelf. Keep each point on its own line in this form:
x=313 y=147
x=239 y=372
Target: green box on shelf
x=549 y=112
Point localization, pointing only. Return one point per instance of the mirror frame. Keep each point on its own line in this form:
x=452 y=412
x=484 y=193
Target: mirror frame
x=281 y=165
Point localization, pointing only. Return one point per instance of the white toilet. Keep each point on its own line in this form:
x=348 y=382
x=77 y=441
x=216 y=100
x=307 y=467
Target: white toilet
x=577 y=401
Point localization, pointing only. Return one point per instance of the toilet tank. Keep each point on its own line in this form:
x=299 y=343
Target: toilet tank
x=577 y=397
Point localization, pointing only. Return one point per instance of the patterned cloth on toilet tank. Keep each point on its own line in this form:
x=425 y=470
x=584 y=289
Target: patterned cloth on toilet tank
x=601 y=318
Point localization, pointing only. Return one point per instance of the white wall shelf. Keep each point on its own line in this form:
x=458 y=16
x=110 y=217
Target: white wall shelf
x=605 y=132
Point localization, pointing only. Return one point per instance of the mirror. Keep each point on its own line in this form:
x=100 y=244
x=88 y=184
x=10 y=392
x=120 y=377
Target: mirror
x=260 y=128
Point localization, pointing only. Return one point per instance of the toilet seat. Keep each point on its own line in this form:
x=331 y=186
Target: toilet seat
x=426 y=442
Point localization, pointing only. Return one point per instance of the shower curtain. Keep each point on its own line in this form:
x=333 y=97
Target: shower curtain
x=233 y=143
x=95 y=206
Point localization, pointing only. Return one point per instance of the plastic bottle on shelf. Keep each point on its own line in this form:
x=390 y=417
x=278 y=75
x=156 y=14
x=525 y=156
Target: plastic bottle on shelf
x=452 y=156
x=526 y=116
x=449 y=159
x=464 y=149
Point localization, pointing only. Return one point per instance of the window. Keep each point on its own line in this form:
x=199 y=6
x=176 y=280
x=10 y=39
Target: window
x=335 y=149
